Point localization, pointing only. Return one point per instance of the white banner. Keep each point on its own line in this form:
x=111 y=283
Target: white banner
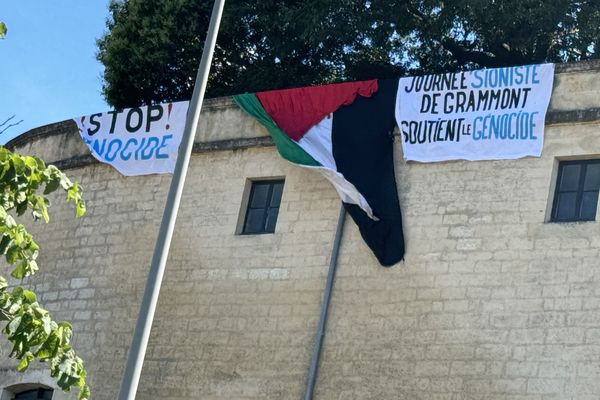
x=136 y=141
x=487 y=114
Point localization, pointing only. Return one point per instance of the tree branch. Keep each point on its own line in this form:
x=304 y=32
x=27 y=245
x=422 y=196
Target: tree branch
x=10 y=125
x=501 y=57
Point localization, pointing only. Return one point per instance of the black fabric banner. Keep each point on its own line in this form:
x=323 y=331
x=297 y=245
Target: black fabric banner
x=364 y=153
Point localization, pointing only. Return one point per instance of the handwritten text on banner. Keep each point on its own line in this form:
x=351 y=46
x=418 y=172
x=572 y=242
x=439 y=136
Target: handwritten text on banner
x=136 y=141
x=484 y=114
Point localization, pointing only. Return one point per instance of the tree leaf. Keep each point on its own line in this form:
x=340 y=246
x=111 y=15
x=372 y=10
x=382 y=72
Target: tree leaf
x=13 y=254
x=25 y=362
x=13 y=325
x=22 y=207
x=80 y=209
x=29 y=296
x=28 y=327
x=4 y=243
x=50 y=348
x=52 y=185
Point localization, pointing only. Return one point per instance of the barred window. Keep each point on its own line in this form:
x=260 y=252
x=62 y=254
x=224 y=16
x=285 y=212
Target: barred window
x=263 y=207
x=576 y=195
x=35 y=394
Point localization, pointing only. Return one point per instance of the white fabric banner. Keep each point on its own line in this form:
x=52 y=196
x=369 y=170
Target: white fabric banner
x=136 y=141
x=486 y=114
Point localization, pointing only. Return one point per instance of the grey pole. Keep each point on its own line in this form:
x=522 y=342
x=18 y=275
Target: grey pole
x=316 y=354
x=137 y=351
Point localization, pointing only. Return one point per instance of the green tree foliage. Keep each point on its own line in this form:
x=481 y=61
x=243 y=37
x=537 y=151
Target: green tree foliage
x=152 y=47
x=33 y=334
x=3 y=30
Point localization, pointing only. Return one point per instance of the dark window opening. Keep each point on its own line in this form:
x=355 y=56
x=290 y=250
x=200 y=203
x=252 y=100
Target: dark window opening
x=576 y=195
x=35 y=394
x=263 y=207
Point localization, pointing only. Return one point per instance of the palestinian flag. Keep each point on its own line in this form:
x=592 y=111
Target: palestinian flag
x=344 y=131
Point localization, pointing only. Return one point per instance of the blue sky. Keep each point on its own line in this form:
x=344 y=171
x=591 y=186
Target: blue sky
x=48 y=70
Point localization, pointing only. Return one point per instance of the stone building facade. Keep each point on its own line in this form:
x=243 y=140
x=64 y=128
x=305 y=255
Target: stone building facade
x=492 y=302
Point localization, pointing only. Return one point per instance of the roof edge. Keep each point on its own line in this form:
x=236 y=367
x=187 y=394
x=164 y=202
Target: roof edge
x=220 y=103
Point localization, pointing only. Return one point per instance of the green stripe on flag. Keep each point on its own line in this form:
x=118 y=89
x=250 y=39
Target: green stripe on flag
x=288 y=149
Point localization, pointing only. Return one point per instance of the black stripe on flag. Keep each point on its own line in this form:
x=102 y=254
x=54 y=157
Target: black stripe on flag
x=364 y=153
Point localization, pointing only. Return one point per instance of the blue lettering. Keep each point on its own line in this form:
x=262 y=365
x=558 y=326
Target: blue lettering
x=522 y=122
x=99 y=150
x=486 y=119
x=527 y=68
x=128 y=156
x=505 y=126
x=495 y=127
x=532 y=126
x=505 y=77
x=509 y=126
x=110 y=147
x=519 y=74
x=476 y=132
x=534 y=75
x=137 y=151
x=492 y=82
x=476 y=76
x=512 y=133
x=151 y=141
x=162 y=146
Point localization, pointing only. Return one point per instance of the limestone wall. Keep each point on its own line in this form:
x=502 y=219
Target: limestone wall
x=492 y=302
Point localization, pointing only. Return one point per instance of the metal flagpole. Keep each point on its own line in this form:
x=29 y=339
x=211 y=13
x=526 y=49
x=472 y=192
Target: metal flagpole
x=137 y=351
x=316 y=355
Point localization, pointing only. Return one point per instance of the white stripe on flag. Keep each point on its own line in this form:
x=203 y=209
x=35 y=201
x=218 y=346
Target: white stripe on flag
x=317 y=142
